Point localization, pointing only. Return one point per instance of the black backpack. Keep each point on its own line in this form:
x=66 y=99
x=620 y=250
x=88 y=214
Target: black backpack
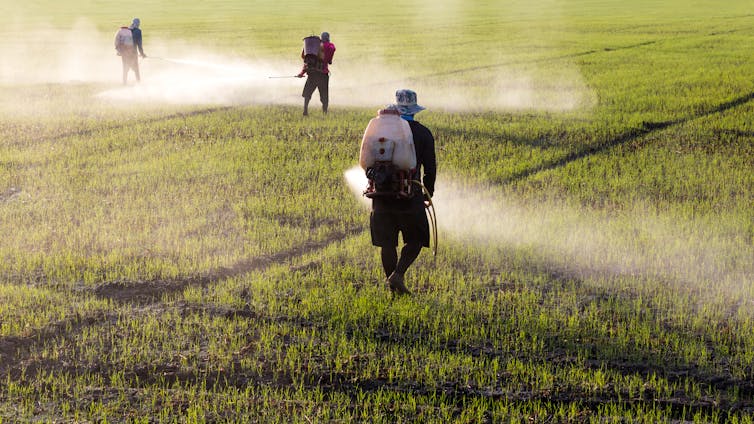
x=314 y=63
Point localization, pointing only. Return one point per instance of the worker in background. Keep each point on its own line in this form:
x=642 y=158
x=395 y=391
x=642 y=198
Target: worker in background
x=128 y=44
x=136 y=31
x=317 y=54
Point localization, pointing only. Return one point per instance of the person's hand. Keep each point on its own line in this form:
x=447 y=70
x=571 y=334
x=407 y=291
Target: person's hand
x=300 y=75
x=427 y=200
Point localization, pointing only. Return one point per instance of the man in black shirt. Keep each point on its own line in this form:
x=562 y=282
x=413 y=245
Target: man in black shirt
x=391 y=216
x=128 y=43
x=136 y=31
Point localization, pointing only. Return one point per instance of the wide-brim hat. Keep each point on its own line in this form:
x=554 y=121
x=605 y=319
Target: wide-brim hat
x=405 y=101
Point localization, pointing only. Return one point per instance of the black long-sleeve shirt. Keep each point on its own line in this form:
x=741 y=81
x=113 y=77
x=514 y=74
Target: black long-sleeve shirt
x=424 y=143
x=136 y=32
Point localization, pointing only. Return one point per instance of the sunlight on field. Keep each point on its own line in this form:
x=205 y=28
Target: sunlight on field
x=45 y=54
x=185 y=248
x=584 y=244
x=201 y=80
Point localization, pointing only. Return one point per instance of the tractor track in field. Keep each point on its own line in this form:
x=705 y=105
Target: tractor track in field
x=129 y=123
x=151 y=291
x=420 y=78
x=144 y=295
x=627 y=137
x=556 y=58
x=539 y=60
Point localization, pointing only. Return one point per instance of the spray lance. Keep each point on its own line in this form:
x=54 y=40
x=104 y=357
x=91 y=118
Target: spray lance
x=293 y=76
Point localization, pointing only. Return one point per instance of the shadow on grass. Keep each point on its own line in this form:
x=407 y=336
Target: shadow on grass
x=468 y=69
x=630 y=135
x=145 y=292
x=269 y=372
x=13 y=349
x=90 y=131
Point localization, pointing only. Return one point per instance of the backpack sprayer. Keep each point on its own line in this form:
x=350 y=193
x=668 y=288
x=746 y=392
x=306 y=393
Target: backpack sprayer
x=389 y=158
x=313 y=56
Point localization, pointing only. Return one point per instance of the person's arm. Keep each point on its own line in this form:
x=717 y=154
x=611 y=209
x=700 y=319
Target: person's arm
x=303 y=69
x=430 y=168
x=330 y=53
x=430 y=164
x=137 y=42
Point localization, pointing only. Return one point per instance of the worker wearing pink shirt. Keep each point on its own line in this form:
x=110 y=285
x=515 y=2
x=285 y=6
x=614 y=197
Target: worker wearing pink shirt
x=318 y=73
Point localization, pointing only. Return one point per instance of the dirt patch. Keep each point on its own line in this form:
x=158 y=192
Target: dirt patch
x=9 y=194
x=13 y=350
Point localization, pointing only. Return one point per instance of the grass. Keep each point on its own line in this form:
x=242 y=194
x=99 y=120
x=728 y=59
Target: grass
x=206 y=263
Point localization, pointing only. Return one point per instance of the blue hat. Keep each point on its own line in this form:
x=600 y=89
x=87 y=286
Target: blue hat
x=325 y=37
x=406 y=102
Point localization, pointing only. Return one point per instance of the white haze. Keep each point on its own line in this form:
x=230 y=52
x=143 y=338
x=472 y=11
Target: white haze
x=584 y=243
x=179 y=73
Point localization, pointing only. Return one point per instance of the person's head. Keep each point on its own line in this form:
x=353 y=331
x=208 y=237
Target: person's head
x=136 y=22
x=325 y=37
x=405 y=101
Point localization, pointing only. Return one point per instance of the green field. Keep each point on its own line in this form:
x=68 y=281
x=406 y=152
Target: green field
x=191 y=249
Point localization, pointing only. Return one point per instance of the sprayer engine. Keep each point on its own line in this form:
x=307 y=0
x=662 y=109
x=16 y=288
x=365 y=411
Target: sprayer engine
x=387 y=180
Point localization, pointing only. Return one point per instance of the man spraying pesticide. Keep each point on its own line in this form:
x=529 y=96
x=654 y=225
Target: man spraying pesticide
x=394 y=150
x=128 y=44
x=317 y=53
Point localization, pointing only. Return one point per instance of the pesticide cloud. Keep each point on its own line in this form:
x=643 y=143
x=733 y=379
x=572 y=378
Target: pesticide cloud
x=176 y=72
x=45 y=54
x=187 y=74
x=583 y=243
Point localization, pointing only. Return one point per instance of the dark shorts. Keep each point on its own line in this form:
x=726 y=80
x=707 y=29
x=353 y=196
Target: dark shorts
x=317 y=80
x=386 y=225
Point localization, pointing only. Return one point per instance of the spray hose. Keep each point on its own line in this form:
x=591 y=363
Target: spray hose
x=432 y=216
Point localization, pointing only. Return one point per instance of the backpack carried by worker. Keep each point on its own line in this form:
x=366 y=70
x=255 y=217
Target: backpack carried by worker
x=313 y=54
x=124 y=39
x=388 y=156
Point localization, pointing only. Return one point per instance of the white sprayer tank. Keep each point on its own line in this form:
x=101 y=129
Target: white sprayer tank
x=388 y=138
x=124 y=37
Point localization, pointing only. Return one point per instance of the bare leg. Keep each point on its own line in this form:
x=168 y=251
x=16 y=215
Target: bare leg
x=125 y=70
x=409 y=253
x=136 y=69
x=395 y=279
x=389 y=259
